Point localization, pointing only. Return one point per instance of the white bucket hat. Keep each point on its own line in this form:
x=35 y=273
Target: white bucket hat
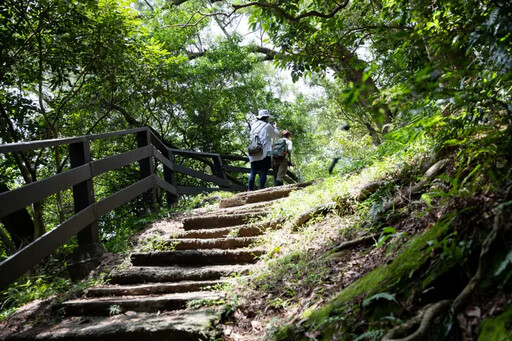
x=263 y=113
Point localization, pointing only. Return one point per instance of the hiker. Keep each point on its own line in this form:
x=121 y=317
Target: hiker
x=281 y=157
x=345 y=127
x=261 y=132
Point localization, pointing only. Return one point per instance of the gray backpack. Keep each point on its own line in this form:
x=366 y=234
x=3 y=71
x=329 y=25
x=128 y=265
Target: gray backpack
x=256 y=147
x=279 y=149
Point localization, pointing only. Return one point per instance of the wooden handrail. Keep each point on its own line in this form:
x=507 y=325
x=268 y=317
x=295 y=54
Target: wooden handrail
x=87 y=212
x=36 y=191
x=25 y=146
x=23 y=260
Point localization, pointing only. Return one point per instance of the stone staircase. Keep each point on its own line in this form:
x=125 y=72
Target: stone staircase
x=150 y=299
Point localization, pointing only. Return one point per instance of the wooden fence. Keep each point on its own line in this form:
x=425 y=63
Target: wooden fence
x=150 y=151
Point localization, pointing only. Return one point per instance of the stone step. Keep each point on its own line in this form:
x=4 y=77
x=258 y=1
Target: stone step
x=152 y=289
x=195 y=257
x=267 y=194
x=210 y=243
x=223 y=232
x=182 y=325
x=216 y=221
x=248 y=230
x=258 y=206
x=105 y=306
x=156 y=274
x=242 y=210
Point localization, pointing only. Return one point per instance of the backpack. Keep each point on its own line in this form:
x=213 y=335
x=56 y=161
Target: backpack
x=256 y=147
x=279 y=149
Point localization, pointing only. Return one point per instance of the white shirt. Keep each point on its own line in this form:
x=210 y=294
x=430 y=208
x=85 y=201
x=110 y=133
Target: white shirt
x=289 y=144
x=266 y=132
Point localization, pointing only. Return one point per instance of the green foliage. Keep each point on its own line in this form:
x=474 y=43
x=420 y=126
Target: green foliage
x=371 y=335
x=415 y=80
x=22 y=292
x=292 y=270
x=156 y=243
x=40 y=287
x=114 y=309
x=381 y=295
x=497 y=328
x=207 y=302
x=504 y=264
x=230 y=305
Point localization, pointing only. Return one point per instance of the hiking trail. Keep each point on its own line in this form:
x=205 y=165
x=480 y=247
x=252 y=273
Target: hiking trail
x=150 y=299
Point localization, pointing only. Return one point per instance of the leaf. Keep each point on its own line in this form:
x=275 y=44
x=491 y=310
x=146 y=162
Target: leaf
x=388 y=230
x=382 y=295
x=471 y=174
x=504 y=264
x=370 y=335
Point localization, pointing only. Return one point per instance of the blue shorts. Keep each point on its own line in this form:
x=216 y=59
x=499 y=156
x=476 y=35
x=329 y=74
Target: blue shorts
x=262 y=165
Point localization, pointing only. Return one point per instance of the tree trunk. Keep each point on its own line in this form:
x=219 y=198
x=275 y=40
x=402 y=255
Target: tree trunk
x=19 y=224
x=37 y=211
x=10 y=248
x=373 y=133
x=381 y=113
x=58 y=196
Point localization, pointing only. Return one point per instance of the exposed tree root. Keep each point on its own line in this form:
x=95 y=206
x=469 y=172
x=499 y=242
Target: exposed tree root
x=461 y=299
x=364 y=191
x=355 y=242
x=430 y=314
x=306 y=216
x=427 y=318
x=399 y=199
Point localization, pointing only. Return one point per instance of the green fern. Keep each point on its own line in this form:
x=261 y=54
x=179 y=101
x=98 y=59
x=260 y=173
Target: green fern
x=371 y=335
x=380 y=295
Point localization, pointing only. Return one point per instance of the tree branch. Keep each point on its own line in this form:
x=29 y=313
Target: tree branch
x=274 y=7
x=150 y=6
x=291 y=17
x=203 y=16
x=179 y=2
x=9 y=136
x=269 y=53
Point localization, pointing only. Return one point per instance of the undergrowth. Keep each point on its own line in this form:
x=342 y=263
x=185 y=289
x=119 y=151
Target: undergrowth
x=423 y=238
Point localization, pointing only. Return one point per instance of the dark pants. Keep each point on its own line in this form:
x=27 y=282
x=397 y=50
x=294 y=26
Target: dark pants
x=280 y=166
x=259 y=167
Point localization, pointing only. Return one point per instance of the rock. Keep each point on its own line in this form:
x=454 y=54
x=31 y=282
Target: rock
x=362 y=192
x=435 y=169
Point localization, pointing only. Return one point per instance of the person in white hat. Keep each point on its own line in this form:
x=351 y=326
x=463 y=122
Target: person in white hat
x=260 y=164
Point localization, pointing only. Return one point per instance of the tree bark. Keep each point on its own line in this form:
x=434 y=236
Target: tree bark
x=18 y=224
x=24 y=165
x=58 y=195
x=10 y=248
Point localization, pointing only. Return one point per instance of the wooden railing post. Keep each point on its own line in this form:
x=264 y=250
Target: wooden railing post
x=147 y=168
x=219 y=169
x=170 y=177
x=86 y=256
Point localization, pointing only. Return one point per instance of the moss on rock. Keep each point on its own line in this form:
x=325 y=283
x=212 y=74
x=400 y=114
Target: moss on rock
x=498 y=328
x=413 y=256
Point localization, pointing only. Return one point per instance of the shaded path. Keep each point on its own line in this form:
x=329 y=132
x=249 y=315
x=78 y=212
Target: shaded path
x=149 y=300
